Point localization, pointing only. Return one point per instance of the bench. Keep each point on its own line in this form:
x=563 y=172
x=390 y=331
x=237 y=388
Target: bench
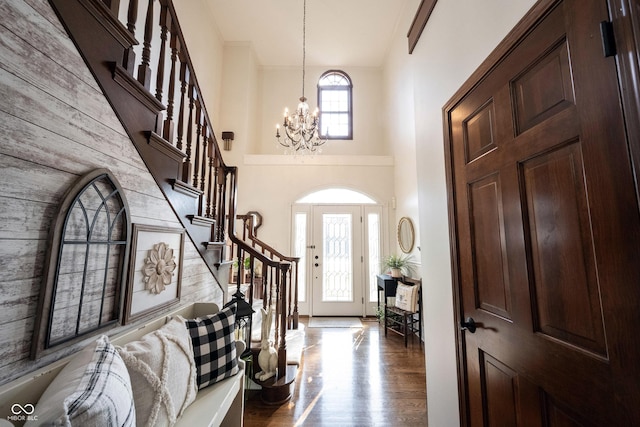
x=405 y=322
x=221 y=404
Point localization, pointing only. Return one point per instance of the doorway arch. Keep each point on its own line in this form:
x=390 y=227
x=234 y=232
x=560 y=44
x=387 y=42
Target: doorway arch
x=335 y=196
x=313 y=216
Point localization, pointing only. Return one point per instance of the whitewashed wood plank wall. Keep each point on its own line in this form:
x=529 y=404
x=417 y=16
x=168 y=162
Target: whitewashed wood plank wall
x=56 y=126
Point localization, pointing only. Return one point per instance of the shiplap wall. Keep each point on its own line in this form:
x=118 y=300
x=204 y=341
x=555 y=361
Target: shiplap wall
x=55 y=126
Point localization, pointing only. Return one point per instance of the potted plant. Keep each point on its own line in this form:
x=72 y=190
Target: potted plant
x=399 y=265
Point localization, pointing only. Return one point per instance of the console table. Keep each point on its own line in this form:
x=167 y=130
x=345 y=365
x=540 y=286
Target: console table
x=400 y=321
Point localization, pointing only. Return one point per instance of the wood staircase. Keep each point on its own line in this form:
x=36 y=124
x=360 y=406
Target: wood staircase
x=152 y=88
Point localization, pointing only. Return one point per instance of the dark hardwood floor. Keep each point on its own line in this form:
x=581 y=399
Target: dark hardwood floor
x=351 y=377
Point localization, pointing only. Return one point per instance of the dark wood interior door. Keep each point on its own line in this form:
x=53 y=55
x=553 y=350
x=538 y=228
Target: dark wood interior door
x=546 y=231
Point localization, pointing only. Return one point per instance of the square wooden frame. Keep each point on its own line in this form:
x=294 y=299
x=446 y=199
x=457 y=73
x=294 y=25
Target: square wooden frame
x=143 y=238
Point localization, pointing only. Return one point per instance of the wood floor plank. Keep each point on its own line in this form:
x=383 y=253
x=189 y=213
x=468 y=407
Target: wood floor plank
x=351 y=377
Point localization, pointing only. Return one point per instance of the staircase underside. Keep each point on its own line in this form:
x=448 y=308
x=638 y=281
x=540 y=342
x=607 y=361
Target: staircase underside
x=101 y=44
x=178 y=146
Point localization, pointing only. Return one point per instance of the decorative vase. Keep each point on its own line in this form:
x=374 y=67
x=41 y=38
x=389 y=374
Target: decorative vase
x=396 y=272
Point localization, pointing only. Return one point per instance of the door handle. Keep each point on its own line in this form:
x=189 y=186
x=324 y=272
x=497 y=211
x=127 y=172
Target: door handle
x=316 y=264
x=468 y=325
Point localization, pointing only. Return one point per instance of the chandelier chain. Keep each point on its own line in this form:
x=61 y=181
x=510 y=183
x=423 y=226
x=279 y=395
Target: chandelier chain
x=304 y=42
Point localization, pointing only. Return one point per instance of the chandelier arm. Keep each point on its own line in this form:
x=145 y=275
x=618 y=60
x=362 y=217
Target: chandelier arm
x=294 y=136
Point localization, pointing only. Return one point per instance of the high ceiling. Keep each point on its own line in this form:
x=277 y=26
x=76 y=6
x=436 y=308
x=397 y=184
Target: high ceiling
x=339 y=33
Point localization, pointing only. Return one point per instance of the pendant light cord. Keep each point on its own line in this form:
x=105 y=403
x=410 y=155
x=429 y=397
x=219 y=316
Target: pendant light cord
x=304 y=42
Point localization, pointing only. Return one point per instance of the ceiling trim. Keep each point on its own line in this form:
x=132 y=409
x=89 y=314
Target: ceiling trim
x=320 y=160
x=419 y=22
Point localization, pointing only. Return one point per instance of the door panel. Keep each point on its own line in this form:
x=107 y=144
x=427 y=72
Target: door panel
x=499 y=384
x=562 y=249
x=337 y=261
x=490 y=255
x=544 y=218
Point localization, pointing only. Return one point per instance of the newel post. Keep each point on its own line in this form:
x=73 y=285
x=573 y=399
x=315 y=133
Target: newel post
x=282 y=349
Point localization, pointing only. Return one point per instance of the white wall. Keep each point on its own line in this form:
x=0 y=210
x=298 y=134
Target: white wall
x=252 y=100
x=457 y=38
x=282 y=87
x=240 y=101
x=269 y=182
x=271 y=189
x=206 y=50
x=399 y=130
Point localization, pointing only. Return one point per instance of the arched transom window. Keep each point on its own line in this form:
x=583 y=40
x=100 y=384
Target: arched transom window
x=335 y=101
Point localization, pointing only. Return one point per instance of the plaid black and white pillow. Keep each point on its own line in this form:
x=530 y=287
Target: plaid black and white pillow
x=214 y=346
x=93 y=389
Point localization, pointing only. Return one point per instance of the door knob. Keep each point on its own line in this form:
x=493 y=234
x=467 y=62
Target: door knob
x=316 y=264
x=468 y=324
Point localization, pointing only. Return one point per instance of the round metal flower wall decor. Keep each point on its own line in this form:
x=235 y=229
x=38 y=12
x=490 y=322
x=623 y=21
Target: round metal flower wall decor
x=158 y=268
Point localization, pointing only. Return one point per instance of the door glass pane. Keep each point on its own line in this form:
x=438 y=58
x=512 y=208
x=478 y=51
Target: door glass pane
x=337 y=258
x=373 y=237
x=300 y=248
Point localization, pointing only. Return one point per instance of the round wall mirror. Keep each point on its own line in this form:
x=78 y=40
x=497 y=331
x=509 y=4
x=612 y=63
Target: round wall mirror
x=406 y=234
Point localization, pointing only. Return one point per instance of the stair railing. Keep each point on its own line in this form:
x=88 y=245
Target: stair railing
x=275 y=281
x=249 y=235
x=183 y=130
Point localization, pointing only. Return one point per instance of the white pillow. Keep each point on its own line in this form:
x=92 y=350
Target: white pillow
x=407 y=297
x=163 y=374
x=93 y=389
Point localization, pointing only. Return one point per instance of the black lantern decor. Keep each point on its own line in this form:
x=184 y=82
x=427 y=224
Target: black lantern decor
x=244 y=317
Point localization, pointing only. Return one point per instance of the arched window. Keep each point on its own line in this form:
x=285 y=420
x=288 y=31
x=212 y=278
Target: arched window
x=86 y=270
x=336 y=107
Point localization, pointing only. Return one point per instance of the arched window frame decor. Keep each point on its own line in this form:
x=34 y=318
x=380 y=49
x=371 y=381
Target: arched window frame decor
x=333 y=84
x=93 y=214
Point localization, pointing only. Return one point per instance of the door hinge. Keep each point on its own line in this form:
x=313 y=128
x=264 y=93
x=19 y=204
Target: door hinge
x=608 y=38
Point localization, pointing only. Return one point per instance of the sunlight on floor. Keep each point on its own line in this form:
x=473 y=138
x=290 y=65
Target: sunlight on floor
x=352 y=377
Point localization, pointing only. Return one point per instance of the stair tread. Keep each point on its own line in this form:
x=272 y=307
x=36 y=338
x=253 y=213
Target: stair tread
x=201 y=220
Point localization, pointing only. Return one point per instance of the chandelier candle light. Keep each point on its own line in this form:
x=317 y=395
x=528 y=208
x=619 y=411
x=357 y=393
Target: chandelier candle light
x=301 y=128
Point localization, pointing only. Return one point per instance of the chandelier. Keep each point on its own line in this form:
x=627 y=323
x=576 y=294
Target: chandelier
x=300 y=130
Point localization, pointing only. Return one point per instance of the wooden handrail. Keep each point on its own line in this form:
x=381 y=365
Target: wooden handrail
x=292 y=306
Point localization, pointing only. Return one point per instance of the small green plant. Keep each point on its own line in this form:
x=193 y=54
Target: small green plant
x=379 y=312
x=401 y=263
x=246 y=263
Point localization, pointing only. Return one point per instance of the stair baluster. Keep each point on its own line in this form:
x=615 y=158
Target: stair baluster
x=186 y=168
x=144 y=69
x=183 y=91
x=164 y=29
x=129 y=58
x=167 y=130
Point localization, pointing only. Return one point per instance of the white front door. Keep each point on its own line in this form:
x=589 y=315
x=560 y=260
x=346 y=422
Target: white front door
x=337 y=261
